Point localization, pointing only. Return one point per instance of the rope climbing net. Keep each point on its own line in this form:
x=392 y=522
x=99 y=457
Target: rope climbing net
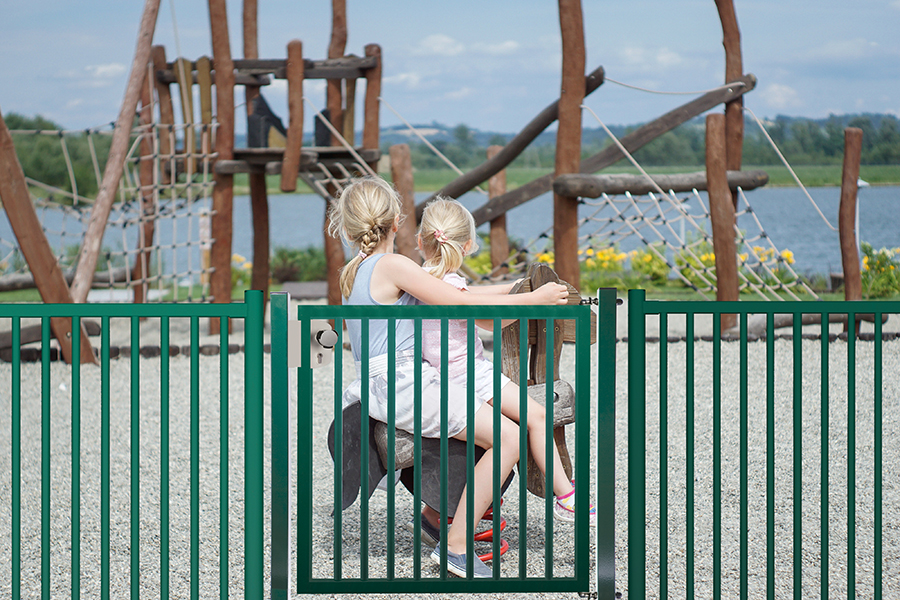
x=157 y=235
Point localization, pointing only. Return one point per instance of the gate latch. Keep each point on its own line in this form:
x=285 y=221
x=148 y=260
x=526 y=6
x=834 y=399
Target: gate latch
x=322 y=339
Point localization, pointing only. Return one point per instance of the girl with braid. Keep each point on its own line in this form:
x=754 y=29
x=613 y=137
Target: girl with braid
x=367 y=216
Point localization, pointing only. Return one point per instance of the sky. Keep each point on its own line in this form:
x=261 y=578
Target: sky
x=490 y=65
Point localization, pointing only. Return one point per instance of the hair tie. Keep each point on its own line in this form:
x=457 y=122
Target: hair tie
x=362 y=255
x=440 y=237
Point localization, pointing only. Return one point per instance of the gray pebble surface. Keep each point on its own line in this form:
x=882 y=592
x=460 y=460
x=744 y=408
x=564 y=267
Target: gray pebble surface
x=675 y=395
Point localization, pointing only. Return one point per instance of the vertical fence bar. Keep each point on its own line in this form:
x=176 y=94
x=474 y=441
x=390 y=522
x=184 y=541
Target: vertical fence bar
x=135 y=458
x=364 y=452
x=851 y=453
x=798 y=455
x=76 y=459
x=583 y=448
x=548 y=455
x=879 y=450
x=470 y=449
x=224 y=464
x=391 y=440
x=16 y=435
x=195 y=458
x=444 y=449
x=744 y=462
x=417 y=452
x=45 y=458
x=104 y=461
x=164 y=506
x=279 y=308
x=663 y=458
x=717 y=456
x=305 y=456
x=689 y=451
x=253 y=439
x=606 y=437
x=770 y=456
x=338 y=450
x=637 y=377
x=523 y=445
x=498 y=334
x=824 y=452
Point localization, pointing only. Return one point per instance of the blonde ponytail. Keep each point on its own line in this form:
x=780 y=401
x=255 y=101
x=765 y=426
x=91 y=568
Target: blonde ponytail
x=445 y=229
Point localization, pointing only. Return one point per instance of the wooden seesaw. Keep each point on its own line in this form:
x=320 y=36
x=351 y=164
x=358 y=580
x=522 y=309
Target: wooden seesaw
x=404 y=442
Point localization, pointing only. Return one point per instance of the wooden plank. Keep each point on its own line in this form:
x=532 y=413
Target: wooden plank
x=371 y=122
x=34 y=245
x=734 y=67
x=468 y=180
x=349 y=131
x=223 y=192
x=402 y=176
x=336 y=47
x=611 y=154
x=204 y=83
x=186 y=96
x=593 y=186
x=568 y=140
x=115 y=162
x=141 y=268
x=166 y=113
x=290 y=167
x=847 y=213
x=256 y=72
x=721 y=215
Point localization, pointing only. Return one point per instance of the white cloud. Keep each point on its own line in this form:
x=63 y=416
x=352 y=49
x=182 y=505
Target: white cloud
x=895 y=4
x=780 y=96
x=439 y=44
x=110 y=71
x=463 y=92
x=74 y=103
x=844 y=49
x=498 y=49
x=408 y=80
x=650 y=59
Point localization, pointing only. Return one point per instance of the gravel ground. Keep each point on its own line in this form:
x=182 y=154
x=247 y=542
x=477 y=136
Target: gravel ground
x=60 y=384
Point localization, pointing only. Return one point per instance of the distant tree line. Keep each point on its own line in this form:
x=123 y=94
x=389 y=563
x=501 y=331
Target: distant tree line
x=802 y=141
x=42 y=157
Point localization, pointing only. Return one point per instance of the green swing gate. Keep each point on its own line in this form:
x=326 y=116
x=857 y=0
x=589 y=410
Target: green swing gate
x=365 y=548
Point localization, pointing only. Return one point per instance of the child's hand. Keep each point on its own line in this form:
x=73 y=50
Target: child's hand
x=552 y=293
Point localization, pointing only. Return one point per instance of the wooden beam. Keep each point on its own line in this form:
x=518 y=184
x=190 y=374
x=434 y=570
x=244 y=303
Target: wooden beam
x=141 y=267
x=223 y=192
x=186 y=95
x=115 y=162
x=34 y=245
x=734 y=67
x=568 y=140
x=721 y=215
x=336 y=48
x=499 y=235
x=166 y=114
x=371 y=116
x=349 y=131
x=204 y=84
x=402 y=176
x=611 y=154
x=25 y=281
x=468 y=180
x=290 y=167
x=593 y=186
x=847 y=213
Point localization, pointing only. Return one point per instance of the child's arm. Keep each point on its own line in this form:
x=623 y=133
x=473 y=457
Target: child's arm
x=397 y=272
x=500 y=288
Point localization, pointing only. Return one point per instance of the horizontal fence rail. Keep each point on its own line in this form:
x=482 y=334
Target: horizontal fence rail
x=366 y=548
x=122 y=482
x=768 y=468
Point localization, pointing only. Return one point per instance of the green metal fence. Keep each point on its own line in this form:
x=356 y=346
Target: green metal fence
x=364 y=549
x=90 y=512
x=762 y=468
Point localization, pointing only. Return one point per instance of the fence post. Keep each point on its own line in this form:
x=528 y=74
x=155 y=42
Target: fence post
x=253 y=444
x=606 y=444
x=280 y=385
x=637 y=447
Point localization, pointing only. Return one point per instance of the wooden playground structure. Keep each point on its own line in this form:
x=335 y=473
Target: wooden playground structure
x=326 y=166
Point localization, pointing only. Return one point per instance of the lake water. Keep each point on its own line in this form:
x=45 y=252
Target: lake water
x=787 y=217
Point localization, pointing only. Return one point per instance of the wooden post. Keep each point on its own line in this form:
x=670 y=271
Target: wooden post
x=115 y=163
x=336 y=50
x=259 y=194
x=223 y=192
x=184 y=73
x=499 y=236
x=371 y=123
x=721 y=215
x=847 y=214
x=166 y=113
x=734 y=68
x=204 y=85
x=568 y=139
x=402 y=176
x=350 y=111
x=141 y=268
x=34 y=246
x=290 y=164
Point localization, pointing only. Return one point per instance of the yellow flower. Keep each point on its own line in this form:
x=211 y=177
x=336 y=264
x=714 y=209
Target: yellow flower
x=247 y=265
x=647 y=258
x=589 y=251
x=238 y=258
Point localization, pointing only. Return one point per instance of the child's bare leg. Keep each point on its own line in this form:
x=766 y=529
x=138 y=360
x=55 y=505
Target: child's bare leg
x=484 y=473
x=537 y=435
